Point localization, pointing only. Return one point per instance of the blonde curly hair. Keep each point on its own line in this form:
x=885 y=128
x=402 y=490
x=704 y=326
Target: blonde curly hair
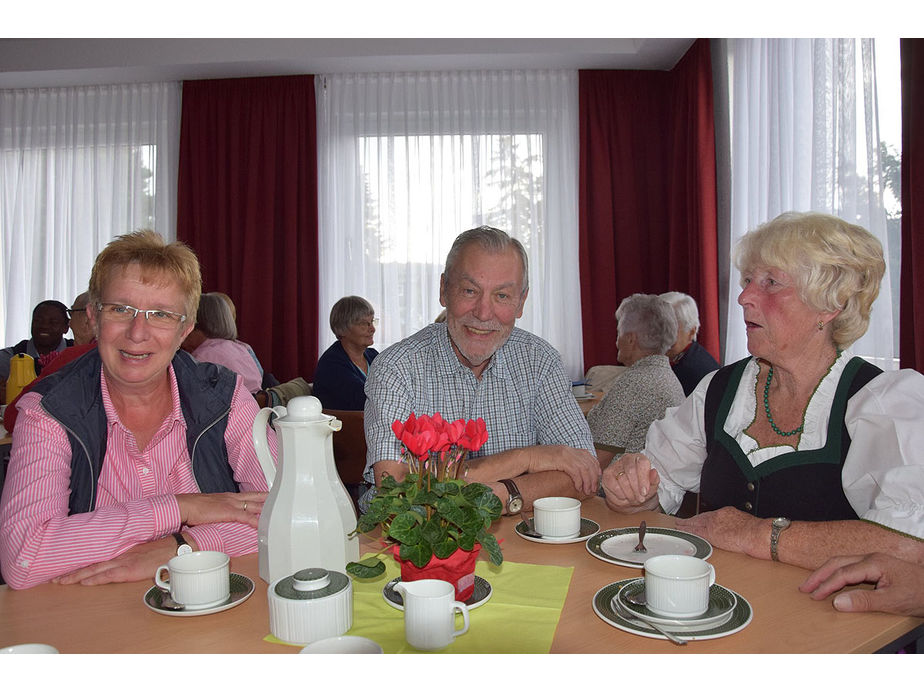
x=836 y=266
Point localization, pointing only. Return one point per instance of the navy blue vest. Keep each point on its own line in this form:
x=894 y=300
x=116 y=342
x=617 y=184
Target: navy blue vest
x=800 y=485
x=72 y=396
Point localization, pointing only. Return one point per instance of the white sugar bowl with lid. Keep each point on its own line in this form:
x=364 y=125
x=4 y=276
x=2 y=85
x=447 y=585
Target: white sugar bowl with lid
x=312 y=604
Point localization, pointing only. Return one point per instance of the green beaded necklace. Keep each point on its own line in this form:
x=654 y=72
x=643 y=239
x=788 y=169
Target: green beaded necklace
x=773 y=425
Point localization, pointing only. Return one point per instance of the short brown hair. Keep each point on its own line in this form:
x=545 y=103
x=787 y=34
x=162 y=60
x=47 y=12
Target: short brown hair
x=153 y=255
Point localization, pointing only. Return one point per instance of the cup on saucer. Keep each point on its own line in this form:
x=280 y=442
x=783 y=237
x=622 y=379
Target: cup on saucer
x=29 y=648
x=678 y=586
x=197 y=580
x=343 y=644
x=557 y=517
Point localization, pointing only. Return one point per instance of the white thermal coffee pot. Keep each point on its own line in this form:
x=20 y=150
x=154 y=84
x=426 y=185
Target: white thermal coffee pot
x=308 y=514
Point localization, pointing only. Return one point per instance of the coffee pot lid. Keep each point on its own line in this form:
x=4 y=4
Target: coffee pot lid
x=304 y=408
x=312 y=583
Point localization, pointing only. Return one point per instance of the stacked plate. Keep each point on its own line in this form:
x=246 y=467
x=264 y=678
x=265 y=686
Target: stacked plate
x=728 y=613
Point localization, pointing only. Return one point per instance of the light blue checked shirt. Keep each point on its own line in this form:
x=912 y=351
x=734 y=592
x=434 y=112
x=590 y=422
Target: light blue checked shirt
x=523 y=396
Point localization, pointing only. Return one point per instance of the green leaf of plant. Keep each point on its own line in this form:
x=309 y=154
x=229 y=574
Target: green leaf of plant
x=405 y=528
x=419 y=553
x=445 y=548
x=450 y=511
x=366 y=568
x=433 y=531
x=489 y=543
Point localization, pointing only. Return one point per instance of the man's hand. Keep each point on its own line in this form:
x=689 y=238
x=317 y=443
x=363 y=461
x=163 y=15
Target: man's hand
x=630 y=484
x=899 y=584
x=582 y=467
x=211 y=508
x=138 y=563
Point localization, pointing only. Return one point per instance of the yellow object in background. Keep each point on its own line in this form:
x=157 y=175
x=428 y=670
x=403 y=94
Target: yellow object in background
x=22 y=372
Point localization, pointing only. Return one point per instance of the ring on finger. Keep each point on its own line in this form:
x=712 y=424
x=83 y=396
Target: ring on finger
x=245 y=506
x=619 y=474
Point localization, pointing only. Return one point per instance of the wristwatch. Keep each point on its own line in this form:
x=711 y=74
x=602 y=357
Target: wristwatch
x=514 y=499
x=182 y=546
x=776 y=529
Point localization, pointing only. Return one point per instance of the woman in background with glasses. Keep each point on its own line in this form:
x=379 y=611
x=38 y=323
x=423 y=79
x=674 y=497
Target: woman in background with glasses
x=134 y=450
x=340 y=378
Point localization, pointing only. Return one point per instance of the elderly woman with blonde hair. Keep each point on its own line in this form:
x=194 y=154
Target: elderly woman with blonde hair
x=802 y=451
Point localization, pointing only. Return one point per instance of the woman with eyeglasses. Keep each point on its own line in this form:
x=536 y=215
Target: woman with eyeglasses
x=135 y=451
x=340 y=377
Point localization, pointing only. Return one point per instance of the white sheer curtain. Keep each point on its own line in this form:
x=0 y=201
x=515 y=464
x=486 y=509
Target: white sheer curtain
x=409 y=160
x=805 y=136
x=79 y=166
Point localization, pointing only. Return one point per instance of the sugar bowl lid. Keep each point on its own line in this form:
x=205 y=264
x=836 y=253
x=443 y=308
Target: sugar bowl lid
x=312 y=583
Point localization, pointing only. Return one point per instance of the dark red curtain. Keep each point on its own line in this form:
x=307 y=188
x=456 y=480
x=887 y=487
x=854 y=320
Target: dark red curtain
x=911 y=340
x=647 y=194
x=247 y=204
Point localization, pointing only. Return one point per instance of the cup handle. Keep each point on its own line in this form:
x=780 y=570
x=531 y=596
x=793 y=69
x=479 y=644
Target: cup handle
x=462 y=609
x=711 y=574
x=161 y=583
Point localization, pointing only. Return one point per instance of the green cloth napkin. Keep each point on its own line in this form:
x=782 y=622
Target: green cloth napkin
x=520 y=616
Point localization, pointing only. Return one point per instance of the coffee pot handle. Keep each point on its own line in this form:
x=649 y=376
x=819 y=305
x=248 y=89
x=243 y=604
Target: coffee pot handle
x=260 y=443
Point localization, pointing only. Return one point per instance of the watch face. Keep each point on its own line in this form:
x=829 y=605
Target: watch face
x=515 y=505
x=183 y=548
x=782 y=522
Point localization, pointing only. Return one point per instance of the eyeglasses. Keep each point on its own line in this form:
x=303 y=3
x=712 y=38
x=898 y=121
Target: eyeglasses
x=119 y=312
x=372 y=322
x=76 y=311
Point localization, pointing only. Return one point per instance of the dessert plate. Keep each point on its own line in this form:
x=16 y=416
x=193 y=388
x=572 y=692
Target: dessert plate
x=740 y=617
x=722 y=603
x=241 y=588
x=618 y=545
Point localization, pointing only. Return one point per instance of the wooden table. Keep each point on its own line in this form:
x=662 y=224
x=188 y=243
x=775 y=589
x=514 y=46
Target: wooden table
x=113 y=619
x=588 y=403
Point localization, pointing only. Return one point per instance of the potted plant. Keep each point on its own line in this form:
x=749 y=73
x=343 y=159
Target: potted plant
x=434 y=521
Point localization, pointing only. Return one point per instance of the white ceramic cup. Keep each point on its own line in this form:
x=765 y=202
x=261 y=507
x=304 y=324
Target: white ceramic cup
x=678 y=586
x=557 y=517
x=29 y=648
x=578 y=390
x=429 y=613
x=343 y=644
x=197 y=580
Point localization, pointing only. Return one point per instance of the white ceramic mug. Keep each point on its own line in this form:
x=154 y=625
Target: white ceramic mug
x=678 y=586
x=557 y=517
x=343 y=644
x=197 y=580
x=429 y=613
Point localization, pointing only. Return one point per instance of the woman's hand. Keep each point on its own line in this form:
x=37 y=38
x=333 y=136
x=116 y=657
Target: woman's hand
x=138 y=563
x=731 y=529
x=631 y=484
x=210 y=508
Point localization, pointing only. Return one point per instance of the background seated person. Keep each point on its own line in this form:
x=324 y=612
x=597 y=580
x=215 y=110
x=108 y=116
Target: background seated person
x=214 y=339
x=49 y=323
x=689 y=359
x=84 y=341
x=800 y=452
x=340 y=377
x=646 y=328
x=135 y=446
x=478 y=364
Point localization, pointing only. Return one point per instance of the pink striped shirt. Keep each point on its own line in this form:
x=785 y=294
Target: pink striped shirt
x=136 y=496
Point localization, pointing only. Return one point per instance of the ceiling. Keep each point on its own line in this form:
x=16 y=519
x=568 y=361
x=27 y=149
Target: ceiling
x=37 y=62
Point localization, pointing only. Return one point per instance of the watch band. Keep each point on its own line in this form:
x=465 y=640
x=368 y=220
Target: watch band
x=514 y=497
x=776 y=529
x=182 y=546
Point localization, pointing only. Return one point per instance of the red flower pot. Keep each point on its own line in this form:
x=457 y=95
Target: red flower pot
x=458 y=570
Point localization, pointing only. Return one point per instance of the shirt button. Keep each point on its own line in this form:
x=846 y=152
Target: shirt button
x=145 y=471
x=750 y=486
x=748 y=506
